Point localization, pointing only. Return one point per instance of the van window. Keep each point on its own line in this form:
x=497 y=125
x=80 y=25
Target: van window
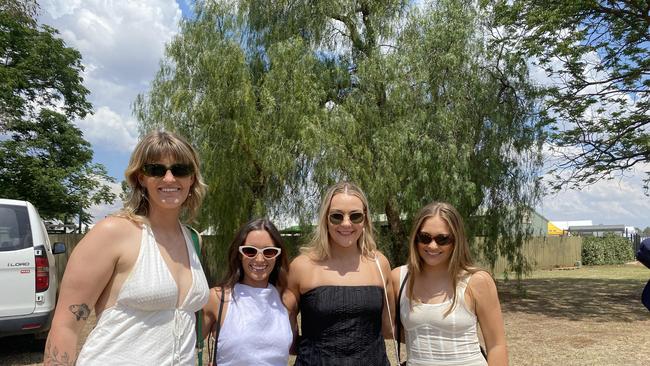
x=15 y=231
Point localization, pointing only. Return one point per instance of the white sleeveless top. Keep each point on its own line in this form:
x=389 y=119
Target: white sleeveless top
x=256 y=329
x=432 y=339
x=145 y=327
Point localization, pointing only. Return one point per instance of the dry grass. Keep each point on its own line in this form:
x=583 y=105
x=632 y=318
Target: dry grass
x=587 y=316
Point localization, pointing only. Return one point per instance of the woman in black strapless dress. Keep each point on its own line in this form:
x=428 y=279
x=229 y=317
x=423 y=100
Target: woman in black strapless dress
x=338 y=283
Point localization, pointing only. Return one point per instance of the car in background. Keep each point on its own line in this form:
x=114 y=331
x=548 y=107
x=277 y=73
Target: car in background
x=28 y=278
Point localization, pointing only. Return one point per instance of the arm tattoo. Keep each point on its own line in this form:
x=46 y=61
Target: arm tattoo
x=51 y=357
x=80 y=311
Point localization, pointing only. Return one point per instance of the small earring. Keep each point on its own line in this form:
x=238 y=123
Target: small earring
x=189 y=194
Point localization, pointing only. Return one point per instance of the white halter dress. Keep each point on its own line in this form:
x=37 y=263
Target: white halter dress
x=145 y=327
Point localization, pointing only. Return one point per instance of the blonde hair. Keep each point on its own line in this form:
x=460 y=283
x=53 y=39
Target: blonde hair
x=460 y=261
x=154 y=146
x=319 y=245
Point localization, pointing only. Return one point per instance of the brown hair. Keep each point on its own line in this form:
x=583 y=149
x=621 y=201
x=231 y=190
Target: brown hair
x=235 y=272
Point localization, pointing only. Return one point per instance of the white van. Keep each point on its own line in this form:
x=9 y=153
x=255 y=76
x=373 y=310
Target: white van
x=28 y=281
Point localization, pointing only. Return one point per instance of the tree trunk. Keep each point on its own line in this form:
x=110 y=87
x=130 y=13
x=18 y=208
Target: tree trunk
x=397 y=234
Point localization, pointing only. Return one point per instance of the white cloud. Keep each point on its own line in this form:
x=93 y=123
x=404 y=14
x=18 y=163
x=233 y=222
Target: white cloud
x=615 y=201
x=122 y=40
x=121 y=43
x=110 y=130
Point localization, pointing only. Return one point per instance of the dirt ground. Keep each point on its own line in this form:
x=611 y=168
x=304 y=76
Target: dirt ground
x=588 y=316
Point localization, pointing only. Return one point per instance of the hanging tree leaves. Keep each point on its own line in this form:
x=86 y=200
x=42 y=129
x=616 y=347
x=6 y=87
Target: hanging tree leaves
x=597 y=57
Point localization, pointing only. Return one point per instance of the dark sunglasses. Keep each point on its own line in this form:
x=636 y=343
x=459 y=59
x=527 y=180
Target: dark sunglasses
x=337 y=217
x=426 y=239
x=159 y=170
x=250 y=251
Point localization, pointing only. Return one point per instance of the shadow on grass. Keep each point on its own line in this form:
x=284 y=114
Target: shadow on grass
x=601 y=300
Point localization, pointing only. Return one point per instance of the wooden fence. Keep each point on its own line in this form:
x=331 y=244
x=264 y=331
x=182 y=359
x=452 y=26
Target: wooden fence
x=70 y=241
x=547 y=253
x=540 y=252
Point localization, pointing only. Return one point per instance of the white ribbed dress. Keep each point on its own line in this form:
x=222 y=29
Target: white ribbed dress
x=145 y=327
x=432 y=339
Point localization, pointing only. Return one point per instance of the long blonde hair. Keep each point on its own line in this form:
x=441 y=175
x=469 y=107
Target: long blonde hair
x=319 y=245
x=460 y=261
x=154 y=146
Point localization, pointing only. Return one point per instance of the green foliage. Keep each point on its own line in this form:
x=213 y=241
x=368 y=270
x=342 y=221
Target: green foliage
x=284 y=99
x=47 y=162
x=43 y=156
x=37 y=69
x=597 y=54
x=606 y=250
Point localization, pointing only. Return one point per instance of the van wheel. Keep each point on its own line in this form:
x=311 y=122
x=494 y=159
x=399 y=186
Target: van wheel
x=38 y=344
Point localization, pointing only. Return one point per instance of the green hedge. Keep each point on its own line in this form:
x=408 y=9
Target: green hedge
x=606 y=250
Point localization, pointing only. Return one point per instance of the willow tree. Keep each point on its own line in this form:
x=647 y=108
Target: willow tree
x=246 y=111
x=420 y=107
x=409 y=102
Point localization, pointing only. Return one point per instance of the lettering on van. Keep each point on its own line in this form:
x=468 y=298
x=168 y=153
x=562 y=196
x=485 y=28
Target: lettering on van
x=19 y=264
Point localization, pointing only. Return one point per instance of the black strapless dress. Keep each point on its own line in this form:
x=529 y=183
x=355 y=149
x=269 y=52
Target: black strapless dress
x=341 y=326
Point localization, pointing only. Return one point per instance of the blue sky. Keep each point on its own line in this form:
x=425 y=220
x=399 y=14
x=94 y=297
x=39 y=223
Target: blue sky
x=122 y=42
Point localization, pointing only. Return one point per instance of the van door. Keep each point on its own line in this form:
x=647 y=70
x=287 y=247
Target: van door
x=17 y=263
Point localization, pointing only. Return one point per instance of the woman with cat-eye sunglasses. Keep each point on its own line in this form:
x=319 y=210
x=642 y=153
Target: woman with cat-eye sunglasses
x=245 y=308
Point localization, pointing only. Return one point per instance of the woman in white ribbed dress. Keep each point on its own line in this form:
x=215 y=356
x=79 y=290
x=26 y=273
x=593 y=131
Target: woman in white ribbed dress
x=444 y=297
x=252 y=326
x=138 y=269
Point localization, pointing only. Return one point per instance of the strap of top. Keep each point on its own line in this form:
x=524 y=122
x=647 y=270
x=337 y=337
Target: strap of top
x=199 y=314
x=390 y=316
x=217 y=324
x=403 y=275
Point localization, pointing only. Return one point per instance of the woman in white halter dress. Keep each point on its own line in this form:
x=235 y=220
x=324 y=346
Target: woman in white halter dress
x=138 y=269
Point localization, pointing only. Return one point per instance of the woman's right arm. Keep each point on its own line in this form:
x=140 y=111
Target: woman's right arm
x=87 y=273
x=291 y=297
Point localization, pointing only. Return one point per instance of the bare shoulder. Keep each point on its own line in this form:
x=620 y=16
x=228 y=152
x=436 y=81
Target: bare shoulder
x=396 y=273
x=481 y=282
x=383 y=261
x=217 y=293
x=113 y=229
x=110 y=235
x=301 y=263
